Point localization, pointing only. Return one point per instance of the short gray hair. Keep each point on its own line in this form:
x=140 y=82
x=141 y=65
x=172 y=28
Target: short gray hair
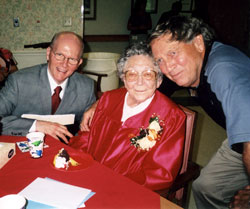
x=184 y=29
x=136 y=49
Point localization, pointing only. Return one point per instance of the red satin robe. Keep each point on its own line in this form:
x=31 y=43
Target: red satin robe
x=109 y=140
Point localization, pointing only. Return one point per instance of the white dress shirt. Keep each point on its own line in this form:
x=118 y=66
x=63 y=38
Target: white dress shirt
x=131 y=111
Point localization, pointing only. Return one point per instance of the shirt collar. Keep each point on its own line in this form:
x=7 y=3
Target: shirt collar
x=53 y=83
x=131 y=111
x=203 y=69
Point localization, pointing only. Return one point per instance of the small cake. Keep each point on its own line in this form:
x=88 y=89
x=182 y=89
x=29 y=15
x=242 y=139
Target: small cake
x=63 y=160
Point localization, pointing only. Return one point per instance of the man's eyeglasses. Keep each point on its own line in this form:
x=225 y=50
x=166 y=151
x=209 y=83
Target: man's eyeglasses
x=132 y=75
x=61 y=57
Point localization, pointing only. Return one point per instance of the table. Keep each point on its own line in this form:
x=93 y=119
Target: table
x=112 y=189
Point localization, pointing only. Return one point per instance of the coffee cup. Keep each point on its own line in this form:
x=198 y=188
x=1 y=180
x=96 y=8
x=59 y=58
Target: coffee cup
x=13 y=201
x=35 y=142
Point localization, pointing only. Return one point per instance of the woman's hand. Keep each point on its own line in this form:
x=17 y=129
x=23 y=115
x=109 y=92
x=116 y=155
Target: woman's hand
x=87 y=117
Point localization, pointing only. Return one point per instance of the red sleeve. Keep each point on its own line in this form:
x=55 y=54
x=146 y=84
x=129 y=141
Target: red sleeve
x=79 y=142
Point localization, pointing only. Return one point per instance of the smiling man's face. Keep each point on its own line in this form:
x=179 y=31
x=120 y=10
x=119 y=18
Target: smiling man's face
x=66 y=45
x=181 y=62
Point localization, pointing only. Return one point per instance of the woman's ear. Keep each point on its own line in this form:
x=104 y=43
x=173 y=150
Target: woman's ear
x=159 y=81
x=199 y=43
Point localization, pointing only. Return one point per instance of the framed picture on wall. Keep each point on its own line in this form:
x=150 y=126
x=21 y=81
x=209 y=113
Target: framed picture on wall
x=151 y=6
x=89 y=9
x=187 y=6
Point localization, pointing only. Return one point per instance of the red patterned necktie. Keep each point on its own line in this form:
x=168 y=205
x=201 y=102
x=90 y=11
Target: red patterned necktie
x=56 y=99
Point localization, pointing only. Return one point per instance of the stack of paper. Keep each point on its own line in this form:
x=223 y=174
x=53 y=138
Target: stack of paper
x=49 y=193
x=65 y=119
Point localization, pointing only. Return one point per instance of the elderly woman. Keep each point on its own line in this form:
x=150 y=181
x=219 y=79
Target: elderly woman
x=136 y=130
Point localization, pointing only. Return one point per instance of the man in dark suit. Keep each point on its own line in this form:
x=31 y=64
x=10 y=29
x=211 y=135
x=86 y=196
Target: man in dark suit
x=30 y=90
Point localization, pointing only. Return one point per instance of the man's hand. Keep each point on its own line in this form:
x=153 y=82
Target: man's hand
x=87 y=117
x=242 y=199
x=53 y=129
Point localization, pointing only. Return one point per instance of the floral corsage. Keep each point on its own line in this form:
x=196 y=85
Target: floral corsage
x=148 y=136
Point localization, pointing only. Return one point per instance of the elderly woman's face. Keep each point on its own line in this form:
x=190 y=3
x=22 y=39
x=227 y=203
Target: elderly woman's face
x=140 y=79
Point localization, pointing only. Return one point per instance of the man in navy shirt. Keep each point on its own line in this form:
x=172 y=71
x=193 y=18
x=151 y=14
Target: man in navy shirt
x=187 y=53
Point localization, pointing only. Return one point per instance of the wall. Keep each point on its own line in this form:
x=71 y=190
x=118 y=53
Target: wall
x=112 y=18
x=39 y=20
x=29 y=58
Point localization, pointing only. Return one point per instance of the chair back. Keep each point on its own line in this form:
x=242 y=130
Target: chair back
x=189 y=170
x=190 y=120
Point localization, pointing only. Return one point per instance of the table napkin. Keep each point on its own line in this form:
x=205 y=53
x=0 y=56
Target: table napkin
x=56 y=194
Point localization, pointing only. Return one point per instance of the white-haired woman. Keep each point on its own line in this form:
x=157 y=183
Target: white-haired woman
x=136 y=130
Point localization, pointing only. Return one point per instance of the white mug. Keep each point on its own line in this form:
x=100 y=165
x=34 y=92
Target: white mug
x=13 y=201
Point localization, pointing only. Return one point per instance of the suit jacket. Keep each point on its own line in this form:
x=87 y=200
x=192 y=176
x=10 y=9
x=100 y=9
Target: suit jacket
x=28 y=92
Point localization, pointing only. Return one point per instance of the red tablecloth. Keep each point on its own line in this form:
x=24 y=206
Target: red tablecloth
x=112 y=190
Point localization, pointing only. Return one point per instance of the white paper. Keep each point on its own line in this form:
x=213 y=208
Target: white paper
x=55 y=193
x=65 y=119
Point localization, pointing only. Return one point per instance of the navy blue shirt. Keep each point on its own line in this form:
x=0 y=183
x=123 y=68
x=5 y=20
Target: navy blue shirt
x=224 y=90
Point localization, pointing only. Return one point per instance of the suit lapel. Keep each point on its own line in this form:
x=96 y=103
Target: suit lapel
x=45 y=90
x=69 y=96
